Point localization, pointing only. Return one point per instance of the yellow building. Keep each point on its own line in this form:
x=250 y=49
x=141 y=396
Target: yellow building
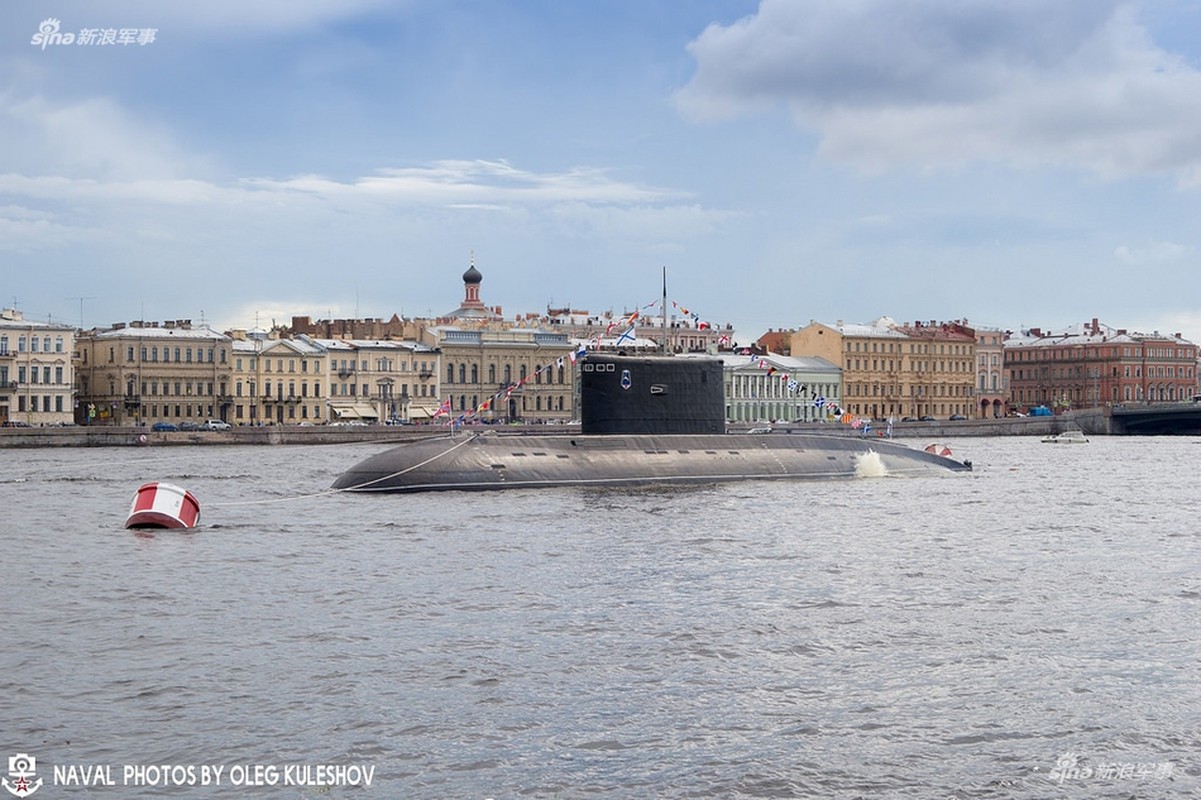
x=891 y=370
x=377 y=380
x=278 y=381
x=940 y=367
x=525 y=374
x=872 y=360
x=145 y=372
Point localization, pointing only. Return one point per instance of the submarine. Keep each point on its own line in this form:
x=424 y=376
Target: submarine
x=644 y=421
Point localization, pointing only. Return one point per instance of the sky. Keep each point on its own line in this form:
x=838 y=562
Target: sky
x=1012 y=163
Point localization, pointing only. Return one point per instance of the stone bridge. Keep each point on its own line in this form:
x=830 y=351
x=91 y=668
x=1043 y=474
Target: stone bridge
x=1142 y=419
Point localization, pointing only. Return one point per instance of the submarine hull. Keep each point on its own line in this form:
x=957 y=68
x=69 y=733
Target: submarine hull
x=497 y=461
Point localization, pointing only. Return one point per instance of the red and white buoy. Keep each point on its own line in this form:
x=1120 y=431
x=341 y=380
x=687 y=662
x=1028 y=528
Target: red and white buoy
x=163 y=505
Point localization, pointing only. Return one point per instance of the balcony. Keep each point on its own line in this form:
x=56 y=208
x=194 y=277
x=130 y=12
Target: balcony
x=9 y=386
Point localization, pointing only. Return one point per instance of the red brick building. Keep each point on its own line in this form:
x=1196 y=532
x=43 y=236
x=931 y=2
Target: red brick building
x=1095 y=365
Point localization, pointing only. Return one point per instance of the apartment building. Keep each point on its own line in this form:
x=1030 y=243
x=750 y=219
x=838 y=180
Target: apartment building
x=522 y=374
x=376 y=380
x=37 y=377
x=278 y=380
x=938 y=376
x=992 y=379
x=871 y=358
x=919 y=369
x=1092 y=364
x=144 y=372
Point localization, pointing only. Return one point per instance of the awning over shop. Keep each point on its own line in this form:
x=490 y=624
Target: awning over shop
x=344 y=412
x=354 y=411
x=421 y=412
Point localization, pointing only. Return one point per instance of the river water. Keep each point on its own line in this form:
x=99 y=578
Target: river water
x=1029 y=630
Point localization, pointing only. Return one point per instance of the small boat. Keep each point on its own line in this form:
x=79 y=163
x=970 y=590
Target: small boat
x=1067 y=437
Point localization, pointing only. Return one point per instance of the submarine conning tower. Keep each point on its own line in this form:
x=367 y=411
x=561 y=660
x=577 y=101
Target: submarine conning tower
x=651 y=394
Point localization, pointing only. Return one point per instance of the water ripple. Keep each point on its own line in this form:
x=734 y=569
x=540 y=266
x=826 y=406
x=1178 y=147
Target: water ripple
x=868 y=638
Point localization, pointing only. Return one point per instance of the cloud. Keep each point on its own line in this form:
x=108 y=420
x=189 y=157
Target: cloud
x=1155 y=253
x=889 y=83
x=24 y=229
x=93 y=149
x=479 y=183
x=93 y=138
x=90 y=172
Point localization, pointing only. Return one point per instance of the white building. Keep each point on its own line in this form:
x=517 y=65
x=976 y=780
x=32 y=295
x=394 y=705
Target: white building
x=37 y=380
x=776 y=388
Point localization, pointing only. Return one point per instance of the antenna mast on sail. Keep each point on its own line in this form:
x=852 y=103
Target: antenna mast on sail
x=664 y=310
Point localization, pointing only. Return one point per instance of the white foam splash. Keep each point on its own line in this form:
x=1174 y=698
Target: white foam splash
x=870 y=465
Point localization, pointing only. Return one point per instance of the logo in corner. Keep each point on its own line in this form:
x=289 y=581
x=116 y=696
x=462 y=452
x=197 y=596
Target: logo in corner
x=48 y=34
x=22 y=769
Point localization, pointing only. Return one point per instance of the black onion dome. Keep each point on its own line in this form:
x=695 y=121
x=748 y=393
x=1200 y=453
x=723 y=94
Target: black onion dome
x=472 y=275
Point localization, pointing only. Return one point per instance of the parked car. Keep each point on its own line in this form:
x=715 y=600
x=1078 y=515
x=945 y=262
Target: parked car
x=926 y=418
x=955 y=417
x=164 y=426
x=189 y=425
x=216 y=425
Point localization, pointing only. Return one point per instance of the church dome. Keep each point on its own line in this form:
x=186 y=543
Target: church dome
x=472 y=275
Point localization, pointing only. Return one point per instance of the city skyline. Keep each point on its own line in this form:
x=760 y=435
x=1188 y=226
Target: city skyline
x=1013 y=164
